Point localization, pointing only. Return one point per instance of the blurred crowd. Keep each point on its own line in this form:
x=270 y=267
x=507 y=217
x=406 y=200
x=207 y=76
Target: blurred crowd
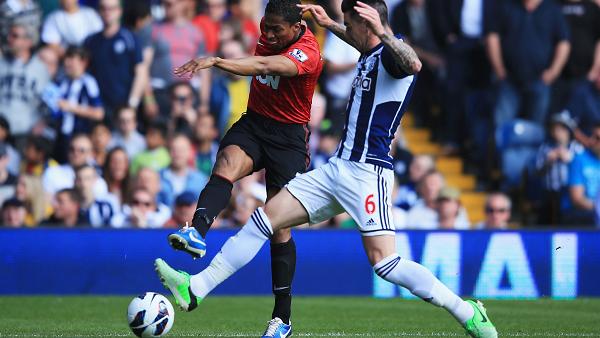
x=95 y=130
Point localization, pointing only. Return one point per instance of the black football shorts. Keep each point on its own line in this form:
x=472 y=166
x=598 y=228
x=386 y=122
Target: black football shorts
x=280 y=148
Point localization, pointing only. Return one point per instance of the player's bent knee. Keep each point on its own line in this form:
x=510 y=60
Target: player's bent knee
x=232 y=163
x=282 y=235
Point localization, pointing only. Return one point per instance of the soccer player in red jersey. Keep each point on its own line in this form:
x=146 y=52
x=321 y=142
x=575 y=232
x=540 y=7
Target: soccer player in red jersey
x=272 y=134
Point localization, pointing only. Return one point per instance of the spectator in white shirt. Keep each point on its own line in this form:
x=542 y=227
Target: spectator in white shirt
x=423 y=214
x=142 y=211
x=70 y=25
x=126 y=134
x=60 y=177
x=497 y=212
x=451 y=214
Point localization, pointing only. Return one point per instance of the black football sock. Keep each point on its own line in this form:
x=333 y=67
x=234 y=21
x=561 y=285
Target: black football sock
x=213 y=199
x=283 y=266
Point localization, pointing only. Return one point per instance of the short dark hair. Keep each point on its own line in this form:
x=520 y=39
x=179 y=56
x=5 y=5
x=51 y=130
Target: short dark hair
x=40 y=144
x=73 y=194
x=287 y=9
x=379 y=5
x=158 y=126
x=135 y=10
x=77 y=51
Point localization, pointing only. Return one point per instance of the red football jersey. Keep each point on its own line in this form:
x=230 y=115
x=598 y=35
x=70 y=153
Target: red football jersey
x=288 y=99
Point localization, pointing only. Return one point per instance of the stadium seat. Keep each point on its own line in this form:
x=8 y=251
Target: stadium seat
x=462 y=182
x=517 y=142
x=414 y=135
x=449 y=165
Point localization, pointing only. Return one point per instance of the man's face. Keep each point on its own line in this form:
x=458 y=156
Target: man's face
x=74 y=66
x=217 y=9
x=154 y=139
x=127 y=122
x=80 y=151
x=18 y=40
x=356 y=31
x=173 y=9
x=68 y=4
x=279 y=33
x=497 y=213
x=184 y=212
x=143 y=201
x=65 y=207
x=205 y=128
x=448 y=208
x=14 y=216
x=182 y=99
x=100 y=137
x=85 y=180
x=418 y=168
x=431 y=187
x=148 y=179
x=180 y=149
x=110 y=12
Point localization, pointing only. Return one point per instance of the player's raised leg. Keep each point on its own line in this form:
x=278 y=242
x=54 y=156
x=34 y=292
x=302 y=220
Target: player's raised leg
x=231 y=165
x=283 y=211
x=381 y=251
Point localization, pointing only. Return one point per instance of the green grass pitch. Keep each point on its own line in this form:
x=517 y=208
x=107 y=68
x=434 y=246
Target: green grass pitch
x=312 y=317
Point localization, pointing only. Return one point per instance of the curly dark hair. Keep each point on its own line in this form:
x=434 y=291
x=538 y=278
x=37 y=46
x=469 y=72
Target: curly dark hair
x=287 y=9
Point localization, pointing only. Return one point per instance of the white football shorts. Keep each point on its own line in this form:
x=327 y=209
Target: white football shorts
x=361 y=189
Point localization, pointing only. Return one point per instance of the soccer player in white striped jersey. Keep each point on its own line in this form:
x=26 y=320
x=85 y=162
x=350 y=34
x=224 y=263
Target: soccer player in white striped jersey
x=357 y=180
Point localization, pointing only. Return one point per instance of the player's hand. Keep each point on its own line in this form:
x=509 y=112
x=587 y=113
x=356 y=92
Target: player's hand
x=318 y=14
x=371 y=16
x=193 y=66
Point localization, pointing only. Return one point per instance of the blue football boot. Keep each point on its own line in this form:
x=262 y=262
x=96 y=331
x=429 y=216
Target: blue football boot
x=189 y=240
x=278 y=329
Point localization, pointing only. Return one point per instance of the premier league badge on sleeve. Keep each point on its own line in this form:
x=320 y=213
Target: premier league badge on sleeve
x=299 y=55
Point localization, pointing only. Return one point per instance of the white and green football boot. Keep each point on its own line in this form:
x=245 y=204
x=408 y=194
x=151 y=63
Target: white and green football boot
x=480 y=325
x=178 y=282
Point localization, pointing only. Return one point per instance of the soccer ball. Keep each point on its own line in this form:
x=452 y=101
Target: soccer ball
x=150 y=315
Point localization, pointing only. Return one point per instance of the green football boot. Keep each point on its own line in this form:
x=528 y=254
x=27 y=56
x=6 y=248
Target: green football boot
x=178 y=282
x=480 y=326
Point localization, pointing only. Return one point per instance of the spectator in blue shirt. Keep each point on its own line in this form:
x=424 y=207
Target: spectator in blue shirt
x=584 y=181
x=528 y=45
x=116 y=61
x=179 y=176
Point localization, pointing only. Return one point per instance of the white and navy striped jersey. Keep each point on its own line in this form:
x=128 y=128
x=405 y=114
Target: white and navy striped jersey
x=83 y=91
x=380 y=92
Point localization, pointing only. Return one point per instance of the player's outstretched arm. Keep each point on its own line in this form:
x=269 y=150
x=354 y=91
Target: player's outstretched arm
x=248 y=66
x=326 y=22
x=259 y=65
x=402 y=53
x=195 y=65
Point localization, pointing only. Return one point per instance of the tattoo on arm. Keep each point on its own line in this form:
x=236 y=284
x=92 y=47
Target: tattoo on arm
x=340 y=31
x=403 y=54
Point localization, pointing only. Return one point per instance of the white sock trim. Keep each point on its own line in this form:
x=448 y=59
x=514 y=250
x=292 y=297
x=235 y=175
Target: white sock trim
x=262 y=222
x=386 y=265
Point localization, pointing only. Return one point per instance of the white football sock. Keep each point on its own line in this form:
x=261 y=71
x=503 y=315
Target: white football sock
x=422 y=283
x=235 y=253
